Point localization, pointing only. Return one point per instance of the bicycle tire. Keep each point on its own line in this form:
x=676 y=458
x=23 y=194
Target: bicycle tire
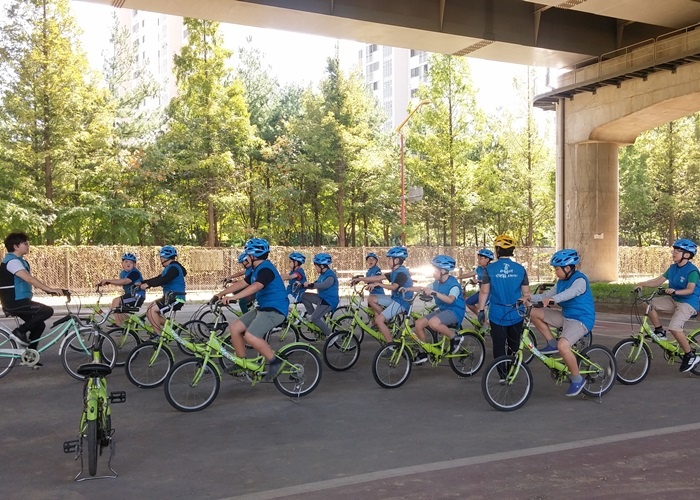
x=694 y=341
x=305 y=374
x=599 y=383
x=195 y=331
x=633 y=361
x=183 y=394
x=125 y=341
x=341 y=351
x=470 y=357
x=390 y=369
x=148 y=365
x=91 y=432
x=7 y=362
x=279 y=337
x=503 y=391
x=341 y=311
x=78 y=348
x=306 y=333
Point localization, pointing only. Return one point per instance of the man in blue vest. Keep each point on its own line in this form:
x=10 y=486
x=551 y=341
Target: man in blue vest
x=172 y=279
x=271 y=310
x=503 y=284
x=16 y=282
x=572 y=293
x=681 y=298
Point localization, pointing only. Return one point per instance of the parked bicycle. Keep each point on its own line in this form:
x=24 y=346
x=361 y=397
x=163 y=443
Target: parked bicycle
x=633 y=355
x=507 y=382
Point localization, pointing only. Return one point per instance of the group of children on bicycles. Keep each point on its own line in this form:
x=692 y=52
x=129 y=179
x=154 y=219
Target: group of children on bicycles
x=503 y=285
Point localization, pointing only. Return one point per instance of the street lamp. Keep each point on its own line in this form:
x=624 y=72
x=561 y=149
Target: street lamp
x=403 y=171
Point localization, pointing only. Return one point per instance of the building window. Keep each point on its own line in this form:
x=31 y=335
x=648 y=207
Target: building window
x=415 y=72
x=373 y=67
x=387 y=51
x=372 y=48
x=388 y=90
x=413 y=93
x=387 y=67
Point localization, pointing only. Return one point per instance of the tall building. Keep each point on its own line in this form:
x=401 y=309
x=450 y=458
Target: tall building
x=393 y=75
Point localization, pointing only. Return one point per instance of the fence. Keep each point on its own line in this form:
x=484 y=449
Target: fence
x=79 y=268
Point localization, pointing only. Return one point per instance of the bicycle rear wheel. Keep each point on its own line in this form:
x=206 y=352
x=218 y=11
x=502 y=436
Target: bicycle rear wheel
x=341 y=351
x=148 y=365
x=633 y=360
x=92 y=446
x=390 y=368
x=78 y=349
x=505 y=386
x=191 y=385
x=7 y=359
x=125 y=341
x=470 y=358
x=303 y=376
x=599 y=362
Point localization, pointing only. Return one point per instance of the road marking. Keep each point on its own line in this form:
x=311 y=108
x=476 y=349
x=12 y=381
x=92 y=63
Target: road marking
x=451 y=464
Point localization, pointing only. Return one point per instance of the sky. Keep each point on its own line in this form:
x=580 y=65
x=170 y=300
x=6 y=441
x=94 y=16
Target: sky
x=492 y=79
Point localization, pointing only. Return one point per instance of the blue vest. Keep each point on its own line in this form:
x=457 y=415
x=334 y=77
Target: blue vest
x=330 y=294
x=274 y=294
x=290 y=286
x=506 y=277
x=395 y=294
x=176 y=285
x=678 y=280
x=127 y=288
x=458 y=305
x=375 y=271
x=581 y=307
x=23 y=290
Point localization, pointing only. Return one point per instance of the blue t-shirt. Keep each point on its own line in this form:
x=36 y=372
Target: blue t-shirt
x=136 y=277
x=458 y=305
x=581 y=307
x=375 y=271
x=678 y=279
x=505 y=277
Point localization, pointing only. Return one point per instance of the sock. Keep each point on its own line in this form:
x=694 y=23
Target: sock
x=659 y=329
x=552 y=343
x=577 y=379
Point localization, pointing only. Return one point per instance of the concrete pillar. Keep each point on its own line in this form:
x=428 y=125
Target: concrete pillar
x=588 y=209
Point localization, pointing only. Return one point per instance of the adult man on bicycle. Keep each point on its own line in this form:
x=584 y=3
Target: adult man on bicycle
x=16 y=282
x=681 y=298
x=272 y=308
x=573 y=293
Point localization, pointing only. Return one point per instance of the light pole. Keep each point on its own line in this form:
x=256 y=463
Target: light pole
x=403 y=170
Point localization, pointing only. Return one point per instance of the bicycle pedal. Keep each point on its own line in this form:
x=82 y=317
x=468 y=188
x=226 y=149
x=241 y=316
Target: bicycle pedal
x=117 y=397
x=70 y=446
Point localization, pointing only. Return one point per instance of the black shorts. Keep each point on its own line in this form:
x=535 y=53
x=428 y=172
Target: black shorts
x=134 y=301
x=169 y=305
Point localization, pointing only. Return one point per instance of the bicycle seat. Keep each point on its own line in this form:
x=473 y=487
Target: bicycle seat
x=94 y=369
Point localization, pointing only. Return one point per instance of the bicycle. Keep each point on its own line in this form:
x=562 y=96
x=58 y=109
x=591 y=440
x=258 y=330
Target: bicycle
x=301 y=326
x=393 y=362
x=95 y=426
x=342 y=349
x=193 y=384
x=507 y=382
x=633 y=355
x=77 y=340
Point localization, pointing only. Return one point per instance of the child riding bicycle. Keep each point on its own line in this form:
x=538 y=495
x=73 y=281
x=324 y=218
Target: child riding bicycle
x=327 y=299
x=681 y=298
x=129 y=278
x=573 y=293
x=484 y=258
x=172 y=279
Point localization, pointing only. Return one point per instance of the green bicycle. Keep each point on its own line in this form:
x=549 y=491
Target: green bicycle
x=193 y=384
x=95 y=429
x=633 y=355
x=507 y=382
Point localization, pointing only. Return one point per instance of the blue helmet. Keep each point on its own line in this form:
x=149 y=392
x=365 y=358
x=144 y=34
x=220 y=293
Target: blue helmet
x=298 y=257
x=129 y=256
x=485 y=252
x=686 y=246
x=323 y=259
x=397 y=253
x=371 y=254
x=565 y=257
x=444 y=262
x=168 y=252
x=257 y=247
x=242 y=257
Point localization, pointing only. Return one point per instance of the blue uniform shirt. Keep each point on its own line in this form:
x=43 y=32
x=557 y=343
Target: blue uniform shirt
x=331 y=294
x=505 y=277
x=274 y=294
x=678 y=279
x=375 y=271
x=581 y=307
x=458 y=305
x=22 y=290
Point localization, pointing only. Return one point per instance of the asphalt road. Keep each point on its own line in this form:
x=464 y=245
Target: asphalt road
x=434 y=437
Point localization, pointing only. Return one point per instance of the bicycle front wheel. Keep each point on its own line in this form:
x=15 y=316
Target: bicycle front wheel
x=391 y=366
x=470 y=358
x=341 y=351
x=92 y=446
x=148 y=365
x=633 y=360
x=598 y=369
x=78 y=350
x=7 y=349
x=192 y=385
x=279 y=337
x=505 y=385
x=304 y=374
x=125 y=341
